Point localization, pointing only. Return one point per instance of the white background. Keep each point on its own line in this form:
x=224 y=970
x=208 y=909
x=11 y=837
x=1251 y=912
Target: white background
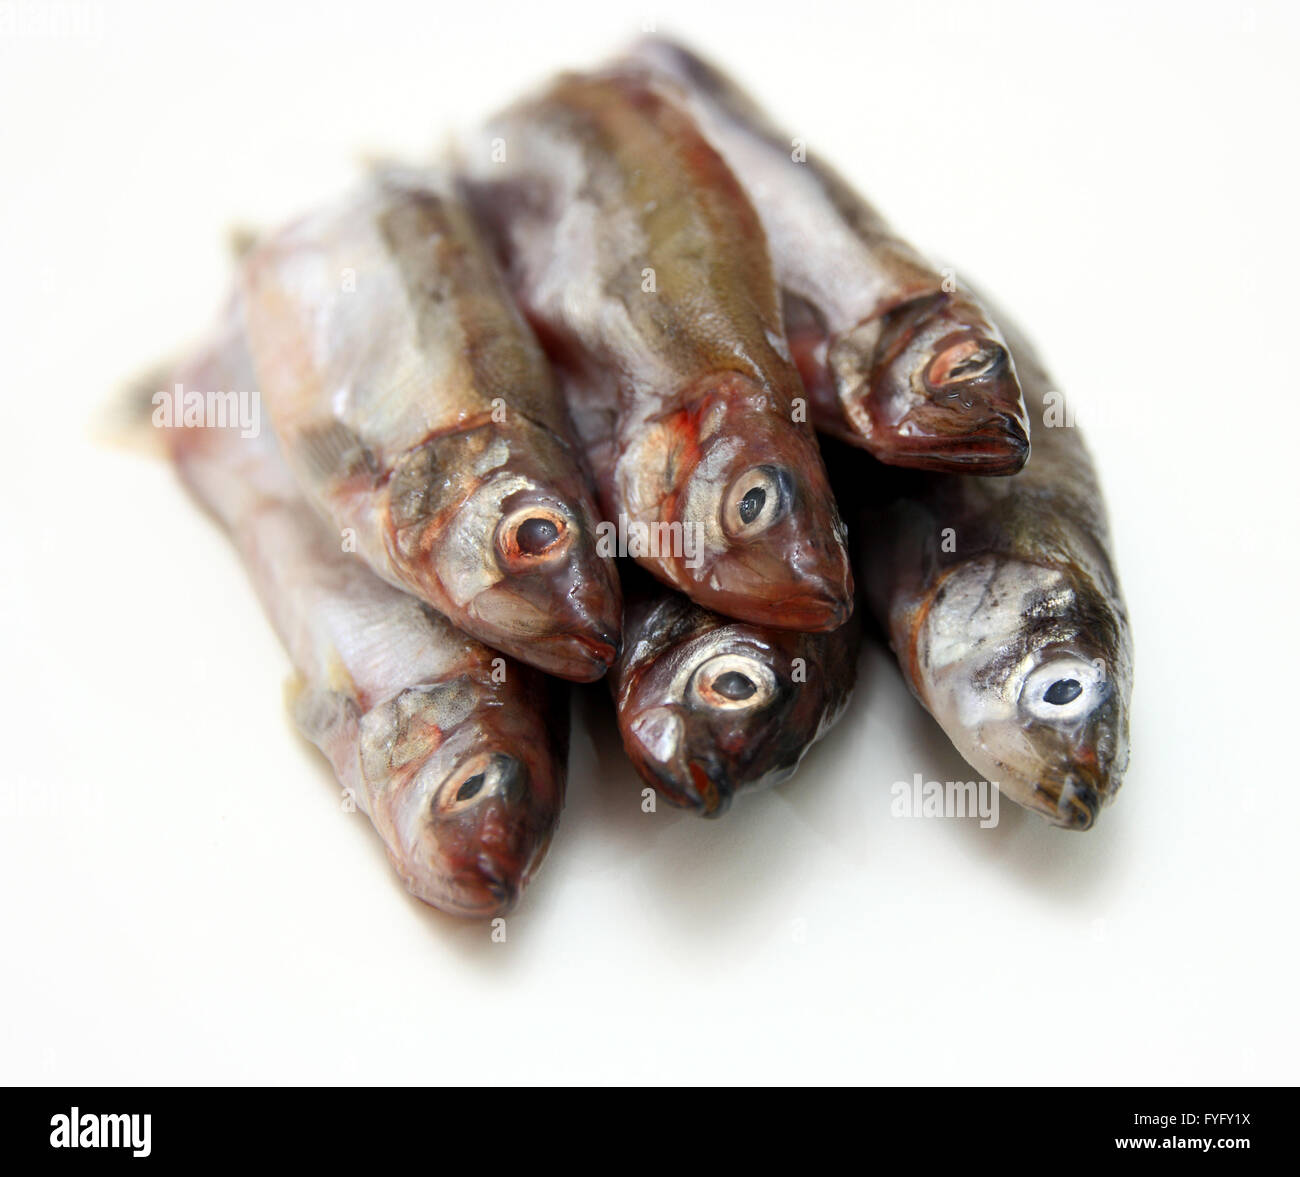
x=181 y=897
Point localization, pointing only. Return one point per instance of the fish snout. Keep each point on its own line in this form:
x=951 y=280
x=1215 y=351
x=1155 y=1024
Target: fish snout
x=482 y=889
x=1073 y=802
x=710 y=790
x=997 y=445
x=799 y=577
x=584 y=655
x=591 y=621
x=826 y=576
x=656 y=741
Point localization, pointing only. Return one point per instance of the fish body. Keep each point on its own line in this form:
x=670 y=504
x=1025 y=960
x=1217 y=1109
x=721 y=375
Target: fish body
x=419 y=413
x=709 y=708
x=1001 y=600
x=896 y=359
x=456 y=753
x=642 y=265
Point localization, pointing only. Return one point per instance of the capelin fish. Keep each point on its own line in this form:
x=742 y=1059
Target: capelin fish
x=709 y=708
x=1001 y=601
x=641 y=263
x=895 y=358
x=418 y=411
x=456 y=753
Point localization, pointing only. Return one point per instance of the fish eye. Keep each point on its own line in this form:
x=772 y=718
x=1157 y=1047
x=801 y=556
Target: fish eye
x=734 y=686
x=471 y=787
x=532 y=535
x=966 y=360
x=1063 y=689
x=755 y=500
x=535 y=534
x=731 y=682
x=491 y=774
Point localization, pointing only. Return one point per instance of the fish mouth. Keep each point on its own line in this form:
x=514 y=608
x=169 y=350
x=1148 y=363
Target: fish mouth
x=1071 y=803
x=654 y=741
x=809 y=588
x=476 y=892
x=702 y=791
x=488 y=886
x=709 y=792
x=997 y=446
x=579 y=657
x=812 y=613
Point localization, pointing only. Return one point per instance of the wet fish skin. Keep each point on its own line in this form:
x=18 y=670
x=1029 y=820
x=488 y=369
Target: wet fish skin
x=602 y=184
x=916 y=371
x=709 y=708
x=417 y=409
x=455 y=753
x=1018 y=640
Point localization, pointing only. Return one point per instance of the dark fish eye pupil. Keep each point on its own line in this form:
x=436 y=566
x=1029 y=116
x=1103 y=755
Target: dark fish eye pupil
x=1063 y=691
x=752 y=504
x=535 y=535
x=471 y=787
x=733 y=685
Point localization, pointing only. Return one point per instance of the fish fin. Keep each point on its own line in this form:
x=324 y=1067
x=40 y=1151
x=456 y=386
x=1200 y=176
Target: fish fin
x=242 y=240
x=380 y=165
x=295 y=686
x=333 y=448
x=125 y=421
x=330 y=719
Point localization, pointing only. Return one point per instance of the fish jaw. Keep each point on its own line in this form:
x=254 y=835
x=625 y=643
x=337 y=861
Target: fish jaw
x=1029 y=673
x=497 y=530
x=733 y=472
x=932 y=385
x=465 y=794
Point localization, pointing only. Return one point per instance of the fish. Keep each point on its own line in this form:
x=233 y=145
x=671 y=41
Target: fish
x=455 y=753
x=417 y=410
x=641 y=264
x=709 y=708
x=1001 y=599
x=896 y=358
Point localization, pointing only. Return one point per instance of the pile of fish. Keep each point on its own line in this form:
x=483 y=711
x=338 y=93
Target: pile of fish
x=552 y=411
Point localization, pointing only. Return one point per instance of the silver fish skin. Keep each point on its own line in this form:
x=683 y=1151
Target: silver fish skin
x=456 y=753
x=417 y=410
x=642 y=265
x=1001 y=600
x=709 y=708
x=895 y=357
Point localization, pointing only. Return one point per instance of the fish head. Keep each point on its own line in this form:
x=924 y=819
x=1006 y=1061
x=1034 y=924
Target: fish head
x=709 y=708
x=1028 y=668
x=466 y=790
x=933 y=385
x=762 y=537
x=502 y=521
